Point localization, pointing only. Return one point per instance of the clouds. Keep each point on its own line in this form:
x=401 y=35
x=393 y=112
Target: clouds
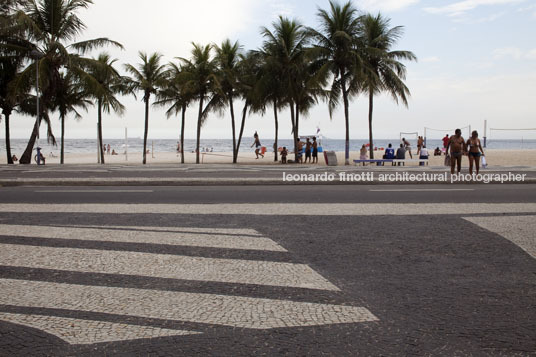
x=386 y=5
x=461 y=8
x=514 y=53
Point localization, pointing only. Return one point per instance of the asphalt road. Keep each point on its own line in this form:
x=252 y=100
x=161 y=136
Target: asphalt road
x=433 y=284
x=274 y=194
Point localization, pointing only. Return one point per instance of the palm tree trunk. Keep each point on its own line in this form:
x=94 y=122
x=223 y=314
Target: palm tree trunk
x=99 y=131
x=146 y=130
x=234 y=129
x=26 y=157
x=182 y=132
x=294 y=135
x=199 y=129
x=347 y=123
x=276 y=131
x=62 y=152
x=371 y=108
x=8 y=139
x=242 y=126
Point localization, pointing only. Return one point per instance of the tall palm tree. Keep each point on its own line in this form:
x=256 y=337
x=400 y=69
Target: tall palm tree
x=284 y=49
x=148 y=77
x=69 y=96
x=201 y=79
x=228 y=59
x=337 y=49
x=50 y=25
x=105 y=87
x=271 y=90
x=176 y=96
x=12 y=58
x=386 y=72
x=250 y=90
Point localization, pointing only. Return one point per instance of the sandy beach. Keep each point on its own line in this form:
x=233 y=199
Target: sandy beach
x=495 y=158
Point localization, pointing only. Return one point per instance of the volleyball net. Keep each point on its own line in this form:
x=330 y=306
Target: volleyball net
x=517 y=135
x=438 y=134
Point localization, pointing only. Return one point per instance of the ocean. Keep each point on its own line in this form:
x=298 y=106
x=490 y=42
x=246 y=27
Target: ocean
x=86 y=146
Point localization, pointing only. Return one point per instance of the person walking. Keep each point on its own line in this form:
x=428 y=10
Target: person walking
x=456 y=146
x=475 y=152
x=257 y=144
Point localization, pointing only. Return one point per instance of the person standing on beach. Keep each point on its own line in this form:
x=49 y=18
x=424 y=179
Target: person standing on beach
x=257 y=144
x=308 y=147
x=108 y=149
x=284 y=154
x=456 y=146
x=407 y=147
x=475 y=152
x=315 y=150
x=446 y=140
x=300 y=150
x=420 y=144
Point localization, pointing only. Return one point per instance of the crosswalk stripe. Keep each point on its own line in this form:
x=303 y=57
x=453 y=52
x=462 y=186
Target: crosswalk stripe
x=333 y=209
x=520 y=230
x=234 y=311
x=164 y=266
x=151 y=235
x=81 y=332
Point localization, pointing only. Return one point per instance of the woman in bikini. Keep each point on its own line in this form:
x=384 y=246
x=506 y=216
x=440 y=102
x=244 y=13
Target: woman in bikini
x=257 y=144
x=475 y=152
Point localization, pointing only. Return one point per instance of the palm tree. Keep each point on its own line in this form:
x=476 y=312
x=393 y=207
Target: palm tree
x=148 y=77
x=228 y=59
x=104 y=89
x=271 y=91
x=386 y=72
x=284 y=49
x=69 y=96
x=175 y=95
x=337 y=49
x=49 y=25
x=11 y=62
x=201 y=79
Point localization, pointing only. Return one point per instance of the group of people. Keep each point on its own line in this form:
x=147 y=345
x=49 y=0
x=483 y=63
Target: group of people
x=309 y=148
x=458 y=147
x=405 y=147
x=107 y=148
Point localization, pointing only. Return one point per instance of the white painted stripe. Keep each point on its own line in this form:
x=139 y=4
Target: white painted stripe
x=94 y=191
x=520 y=230
x=164 y=266
x=235 y=311
x=81 y=332
x=288 y=209
x=148 y=235
x=424 y=190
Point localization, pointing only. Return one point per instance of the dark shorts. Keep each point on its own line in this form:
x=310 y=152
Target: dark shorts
x=475 y=154
x=315 y=152
x=308 y=153
x=456 y=155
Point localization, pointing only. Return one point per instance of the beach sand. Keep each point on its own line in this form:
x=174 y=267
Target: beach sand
x=495 y=158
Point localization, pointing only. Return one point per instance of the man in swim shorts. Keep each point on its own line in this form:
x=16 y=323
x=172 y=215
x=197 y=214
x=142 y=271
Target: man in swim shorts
x=457 y=148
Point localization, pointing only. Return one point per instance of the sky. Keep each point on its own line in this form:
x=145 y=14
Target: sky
x=476 y=62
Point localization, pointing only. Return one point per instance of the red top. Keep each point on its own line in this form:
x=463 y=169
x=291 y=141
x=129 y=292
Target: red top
x=446 y=141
